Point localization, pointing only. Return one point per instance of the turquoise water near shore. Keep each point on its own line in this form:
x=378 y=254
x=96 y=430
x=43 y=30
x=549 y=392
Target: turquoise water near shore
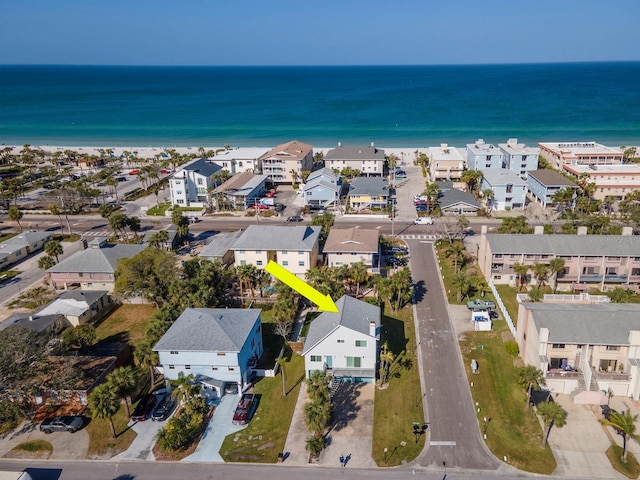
x=393 y=106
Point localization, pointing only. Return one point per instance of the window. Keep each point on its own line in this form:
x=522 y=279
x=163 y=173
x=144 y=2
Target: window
x=285 y=263
x=200 y=181
x=187 y=367
x=497 y=255
x=528 y=256
x=258 y=251
x=301 y=263
x=258 y=263
x=173 y=352
x=558 y=345
x=361 y=343
x=214 y=368
x=635 y=271
x=613 y=259
x=340 y=341
x=172 y=367
x=316 y=358
x=284 y=252
x=353 y=362
x=180 y=201
x=232 y=369
x=613 y=348
x=243 y=262
x=81 y=274
x=221 y=354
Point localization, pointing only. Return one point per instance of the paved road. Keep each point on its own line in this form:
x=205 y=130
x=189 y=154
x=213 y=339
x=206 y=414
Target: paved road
x=454 y=434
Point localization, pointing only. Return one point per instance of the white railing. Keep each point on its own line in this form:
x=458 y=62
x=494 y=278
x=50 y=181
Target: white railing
x=503 y=309
x=586 y=371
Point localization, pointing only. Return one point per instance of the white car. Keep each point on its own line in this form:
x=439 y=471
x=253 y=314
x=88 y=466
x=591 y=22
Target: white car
x=423 y=221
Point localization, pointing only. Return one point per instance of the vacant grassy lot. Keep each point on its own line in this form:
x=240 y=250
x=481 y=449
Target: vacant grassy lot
x=159 y=210
x=508 y=296
x=513 y=430
x=126 y=323
x=36 y=449
x=101 y=445
x=265 y=435
x=398 y=405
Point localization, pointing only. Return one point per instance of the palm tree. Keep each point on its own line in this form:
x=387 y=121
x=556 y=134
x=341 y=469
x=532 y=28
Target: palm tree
x=281 y=361
x=456 y=250
x=112 y=183
x=522 y=271
x=531 y=378
x=55 y=210
x=46 y=262
x=53 y=248
x=183 y=387
x=144 y=356
x=556 y=265
x=625 y=424
x=294 y=175
x=386 y=359
x=552 y=414
x=472 y=179
x=104 y=403
x=15 y=215
x=318 y=386
x=359 y=274
x=489 y=195
x=461 y=283
x=158 y=239
x=432 y=192
x=317 y=416
x=541 y=271
x=124 y=382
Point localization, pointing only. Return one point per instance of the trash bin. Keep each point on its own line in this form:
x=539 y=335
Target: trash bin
x=280 y=457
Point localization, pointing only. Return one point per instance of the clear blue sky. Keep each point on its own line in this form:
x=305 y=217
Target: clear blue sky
x=317 y=32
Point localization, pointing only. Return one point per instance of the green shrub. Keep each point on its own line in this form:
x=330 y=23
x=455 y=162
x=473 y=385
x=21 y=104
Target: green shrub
x=512 y=348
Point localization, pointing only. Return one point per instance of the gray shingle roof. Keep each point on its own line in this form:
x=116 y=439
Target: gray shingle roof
x=551 y=178
x=96 y=260
x=202 y=166
x=361 y=240
x=33 y=321
x=323 y=172
x=449 y=195
x=581 y=323
x=209 y=330
x=502 y=176
x=374 y=186
x=354 y=153
x=278 y=237
x=353 y=314
x=584 y=245
x=219 y=244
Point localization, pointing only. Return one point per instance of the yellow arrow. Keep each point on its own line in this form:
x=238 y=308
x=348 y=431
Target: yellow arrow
x=324 y=302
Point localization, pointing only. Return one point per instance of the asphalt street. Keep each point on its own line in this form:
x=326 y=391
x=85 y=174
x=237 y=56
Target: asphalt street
x=454 y=435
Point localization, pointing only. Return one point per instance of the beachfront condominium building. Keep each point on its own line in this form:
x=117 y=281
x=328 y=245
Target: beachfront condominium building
x=482 y=155
x=590 y=261
x=285 y=163
x=613 y=181
x=369 y=161
x=192 y=182
x=518 y=157
x=240 y=159
x=294 y=248
x=445 y=163
x=580 y=153
x=509 y=190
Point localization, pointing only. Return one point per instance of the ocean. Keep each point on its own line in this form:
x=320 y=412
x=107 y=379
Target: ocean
x=393 y=106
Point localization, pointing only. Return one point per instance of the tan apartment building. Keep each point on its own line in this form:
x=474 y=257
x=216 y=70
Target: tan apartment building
x=597 y=261
x=294 y=248
x=582 y=346
x=279 y=162
x=346 y=246
x=580 y=153
x=446 y=163
x=615 y=181
x=369 y=161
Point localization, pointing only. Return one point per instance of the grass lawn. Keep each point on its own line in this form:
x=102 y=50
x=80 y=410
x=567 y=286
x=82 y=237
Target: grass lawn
x=159 y=210
x=514 y=430
x=36 y=449
x=265 y=435
x=127 y=323
x=508 y=296
x=398 y=405
x=101 y=445
x=630 y=468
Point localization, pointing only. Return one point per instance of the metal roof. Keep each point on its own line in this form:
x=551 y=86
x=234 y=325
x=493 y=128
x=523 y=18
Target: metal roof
x=583 y=323
x=278 y=237
x=210 y=330
x=219 y=244
x=202 y=166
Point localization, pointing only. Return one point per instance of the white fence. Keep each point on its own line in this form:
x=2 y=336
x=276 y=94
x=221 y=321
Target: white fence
x=503 y=309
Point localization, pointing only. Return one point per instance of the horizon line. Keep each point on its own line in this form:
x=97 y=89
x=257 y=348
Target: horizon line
x=581 y=62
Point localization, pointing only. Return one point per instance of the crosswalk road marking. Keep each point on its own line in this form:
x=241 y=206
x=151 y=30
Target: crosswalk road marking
x=443 y=443
x=96 y=234
x=417 y=237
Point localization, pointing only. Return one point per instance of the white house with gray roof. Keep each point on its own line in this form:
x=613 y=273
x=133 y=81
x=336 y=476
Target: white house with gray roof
x=344 y=344
x=293 y=247
x=218 y=248
x=368 y=192
x=509 y=190
x=453 y=201
x=16 y=249
x=218 y=344
x=322 y=187
x=93 y=268
x=369 y=161
x=190 y=185
x=241 y=159
x=598 y=261
x=573 y=344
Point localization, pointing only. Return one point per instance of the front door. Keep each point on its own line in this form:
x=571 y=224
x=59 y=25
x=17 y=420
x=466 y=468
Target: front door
x=328 y=360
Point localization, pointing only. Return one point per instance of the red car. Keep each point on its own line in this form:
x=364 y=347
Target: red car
x=135 y=171
x=259 y=206
x=165 y=171
x=143 y=409
x=271 y=193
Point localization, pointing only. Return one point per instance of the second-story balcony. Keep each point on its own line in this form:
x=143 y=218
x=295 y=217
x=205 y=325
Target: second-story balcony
x=598 y=277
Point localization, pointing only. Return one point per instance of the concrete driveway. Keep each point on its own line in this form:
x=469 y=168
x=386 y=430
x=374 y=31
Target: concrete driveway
x=66 y=446
x=142 y=445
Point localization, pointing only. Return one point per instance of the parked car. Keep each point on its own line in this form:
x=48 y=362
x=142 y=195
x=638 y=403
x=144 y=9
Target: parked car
x=259 y=206
x=401 y=174
x=165 y=171
x=271 y=193
x=135 y=171
x=394 y=250
x=143 y=409
x=194 y=220
x=66 y=423
x=244 y=409
x=163 y=408
x=396 y=262
x=422 y=208
x=479 y=304
x=295 y=218
x=423 y=221
x=278 y=207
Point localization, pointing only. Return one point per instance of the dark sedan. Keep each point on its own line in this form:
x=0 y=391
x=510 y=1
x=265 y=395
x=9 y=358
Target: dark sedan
x=143 y=409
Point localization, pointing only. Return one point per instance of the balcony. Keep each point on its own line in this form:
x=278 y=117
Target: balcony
x=598 y=277
x=621 y=377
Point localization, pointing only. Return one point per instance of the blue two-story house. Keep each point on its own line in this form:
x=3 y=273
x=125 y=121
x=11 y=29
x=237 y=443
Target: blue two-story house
x=482 y=155
x=219 y=344
x=322 y=188
x=509 y=190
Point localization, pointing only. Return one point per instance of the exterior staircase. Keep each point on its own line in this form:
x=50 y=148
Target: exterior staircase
x=334 y=386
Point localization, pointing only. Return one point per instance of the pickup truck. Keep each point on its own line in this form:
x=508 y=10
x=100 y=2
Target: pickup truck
x=245 y=407
x=478 y=304
x=65 y=423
